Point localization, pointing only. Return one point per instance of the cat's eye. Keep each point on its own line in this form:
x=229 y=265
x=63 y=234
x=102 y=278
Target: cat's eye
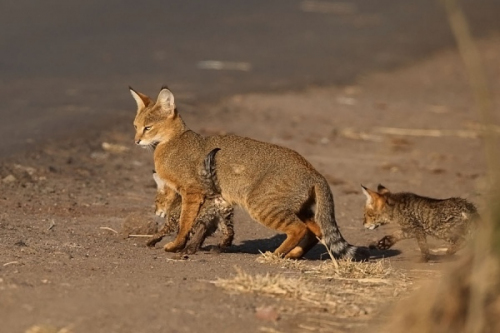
x=147 y=128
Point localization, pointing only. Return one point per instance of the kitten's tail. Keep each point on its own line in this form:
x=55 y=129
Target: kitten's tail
x=208 y=174
x=325 y=217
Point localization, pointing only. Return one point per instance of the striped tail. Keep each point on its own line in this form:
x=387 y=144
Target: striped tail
x=208 y=174
x=332 y=238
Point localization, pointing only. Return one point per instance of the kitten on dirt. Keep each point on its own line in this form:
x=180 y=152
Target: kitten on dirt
x=447 y=219
x=274 y=184
x=215 y=213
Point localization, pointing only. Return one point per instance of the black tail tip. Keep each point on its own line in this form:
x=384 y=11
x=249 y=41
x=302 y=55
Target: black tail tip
x=362 y=254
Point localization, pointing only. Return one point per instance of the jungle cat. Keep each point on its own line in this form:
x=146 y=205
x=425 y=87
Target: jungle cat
x=215 y=213
x=447 y=219
x=274 y=184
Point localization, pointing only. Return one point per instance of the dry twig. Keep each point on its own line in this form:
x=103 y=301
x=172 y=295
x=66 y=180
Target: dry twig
x=108 y=228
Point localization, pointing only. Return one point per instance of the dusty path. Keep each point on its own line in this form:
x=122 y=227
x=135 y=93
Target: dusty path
x=60 y=269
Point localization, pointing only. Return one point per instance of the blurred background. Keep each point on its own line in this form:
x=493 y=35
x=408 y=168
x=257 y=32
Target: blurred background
x=65 y=65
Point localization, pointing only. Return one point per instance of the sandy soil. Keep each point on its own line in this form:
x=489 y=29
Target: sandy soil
x=63 y=268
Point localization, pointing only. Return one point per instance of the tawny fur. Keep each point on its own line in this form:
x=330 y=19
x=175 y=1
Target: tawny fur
x=215 y=213
x=275 y=185
x=447 y=219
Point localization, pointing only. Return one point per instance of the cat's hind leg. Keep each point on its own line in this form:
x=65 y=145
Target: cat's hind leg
x=292 y=226
x=422 y=244
x=455 y=245
x=307 y=242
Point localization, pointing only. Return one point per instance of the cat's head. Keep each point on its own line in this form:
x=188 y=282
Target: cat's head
x=378 y=207
x=161 y=196
x=155 y=122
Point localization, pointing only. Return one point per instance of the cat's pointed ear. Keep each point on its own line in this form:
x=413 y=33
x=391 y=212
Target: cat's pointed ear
x=160 y=184
x=381 y=189
x=141 y=99
x=371 y=196
x=166 y=101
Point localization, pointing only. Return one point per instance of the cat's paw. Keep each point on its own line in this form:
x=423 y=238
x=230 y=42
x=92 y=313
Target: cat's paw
x=152 y=242
x=425 y=257
x=385 y=243
x=172 y=247
x=190 y=249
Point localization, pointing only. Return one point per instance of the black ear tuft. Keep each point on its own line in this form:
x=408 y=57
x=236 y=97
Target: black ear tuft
x=164 y=87
x=381 y=189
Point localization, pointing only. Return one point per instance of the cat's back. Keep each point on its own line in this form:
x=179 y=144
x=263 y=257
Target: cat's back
x=245 y=166
x=432 y=210
x=241 y=155
x=252 y=151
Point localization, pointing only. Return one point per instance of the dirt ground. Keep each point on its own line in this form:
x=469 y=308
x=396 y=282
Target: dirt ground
x=66 y=267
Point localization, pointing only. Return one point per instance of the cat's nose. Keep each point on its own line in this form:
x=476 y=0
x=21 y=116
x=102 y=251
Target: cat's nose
x=137 y=141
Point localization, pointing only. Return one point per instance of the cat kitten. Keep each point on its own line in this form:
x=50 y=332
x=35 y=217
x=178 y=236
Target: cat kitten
x=447 y=219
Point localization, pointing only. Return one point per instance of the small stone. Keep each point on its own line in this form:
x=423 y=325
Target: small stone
x=114 y=148
x=98 y=155
x=324 y=141
x=9 y=179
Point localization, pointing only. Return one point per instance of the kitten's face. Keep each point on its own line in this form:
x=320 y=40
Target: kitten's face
x=377 y=212
x=375 y=216
x=161 y=196
x=161 y=204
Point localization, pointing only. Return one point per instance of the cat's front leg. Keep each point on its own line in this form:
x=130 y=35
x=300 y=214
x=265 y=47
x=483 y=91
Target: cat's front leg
x=191 y=203
x=389 y=240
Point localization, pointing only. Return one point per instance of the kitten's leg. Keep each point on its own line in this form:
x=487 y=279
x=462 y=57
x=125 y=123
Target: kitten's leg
x=168 y=227
x=455 y=245
x=173 y=208
x=224 y=219
x=422 y=244
x=226 y=226
x=197 y=237
x=388 y=241
x=191 y=203
x=308 y=242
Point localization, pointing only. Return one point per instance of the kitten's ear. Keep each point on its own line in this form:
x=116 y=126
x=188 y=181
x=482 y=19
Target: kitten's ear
x=160 y=184
x=381 y=189
x=166 y=101
x=141 y=99
x=371 y=196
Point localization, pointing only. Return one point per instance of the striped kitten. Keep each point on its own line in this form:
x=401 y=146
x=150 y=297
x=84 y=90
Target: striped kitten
x=447 y=219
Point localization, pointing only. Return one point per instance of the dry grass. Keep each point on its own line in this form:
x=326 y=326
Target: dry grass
x=273 y=259
x=374 y=271
x=344 y=287
x=270 y=284
x=338 y=269
x=47 y=329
